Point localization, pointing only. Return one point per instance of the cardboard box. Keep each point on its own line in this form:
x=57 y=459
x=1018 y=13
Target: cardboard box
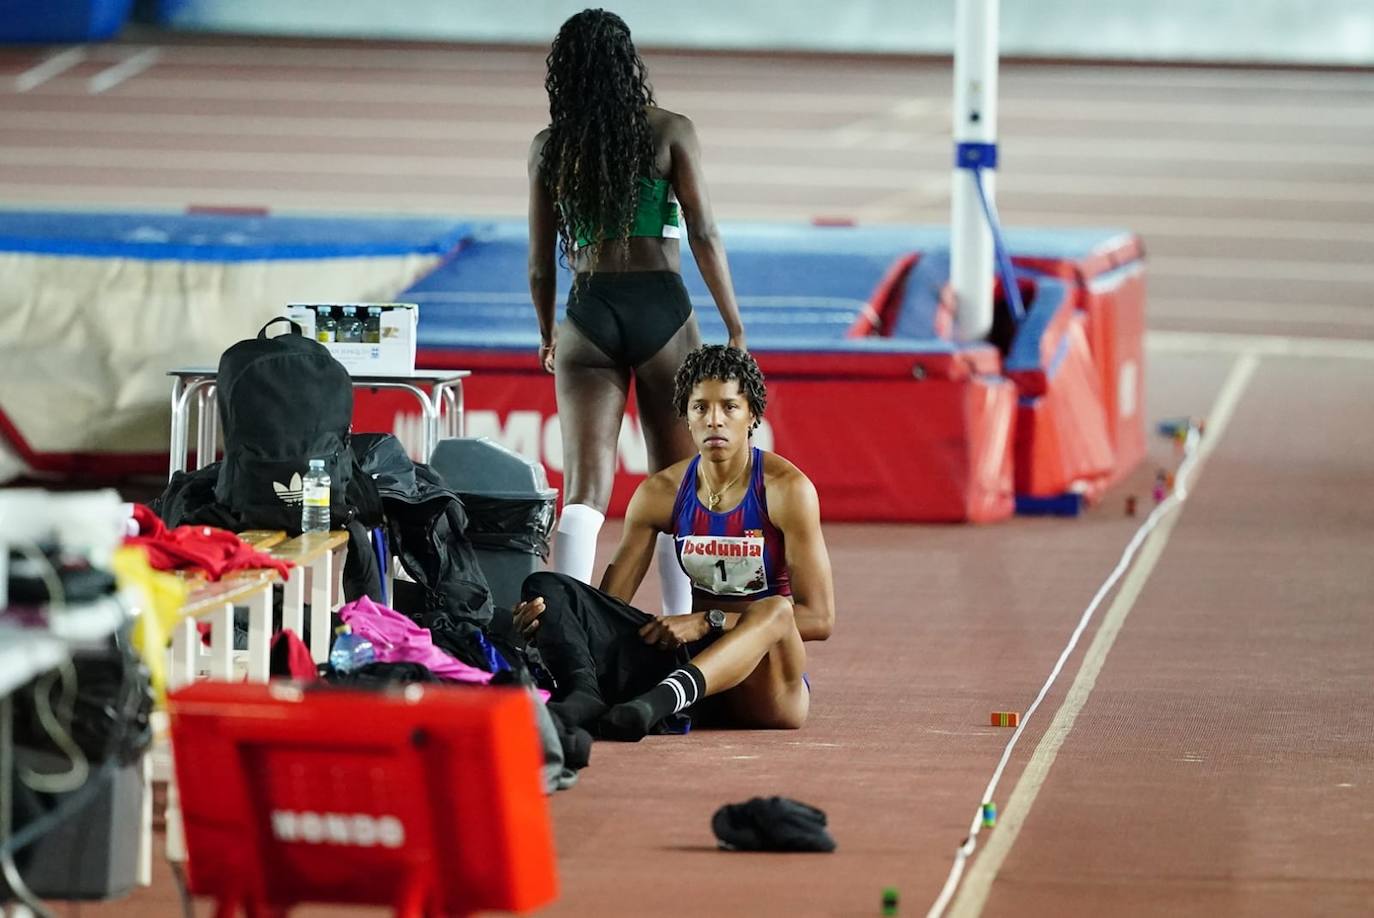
x=389 y=348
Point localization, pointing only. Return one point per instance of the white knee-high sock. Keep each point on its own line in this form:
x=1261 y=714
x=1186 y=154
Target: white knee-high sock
x=574 y=547
x=677 y=588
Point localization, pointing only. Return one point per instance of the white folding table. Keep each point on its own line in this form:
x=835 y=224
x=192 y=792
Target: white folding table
x=441 y=408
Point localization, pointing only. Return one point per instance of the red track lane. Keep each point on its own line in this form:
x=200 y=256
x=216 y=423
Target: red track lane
x=1208 y=771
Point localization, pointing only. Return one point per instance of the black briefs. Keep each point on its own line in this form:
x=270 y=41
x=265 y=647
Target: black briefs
x=629 y=315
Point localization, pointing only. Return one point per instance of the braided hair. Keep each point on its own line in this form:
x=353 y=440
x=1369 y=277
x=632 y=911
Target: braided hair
x=718 y=361
x=599 y=142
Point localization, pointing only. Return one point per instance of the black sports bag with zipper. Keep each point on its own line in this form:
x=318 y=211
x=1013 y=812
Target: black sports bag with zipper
x=283 y=401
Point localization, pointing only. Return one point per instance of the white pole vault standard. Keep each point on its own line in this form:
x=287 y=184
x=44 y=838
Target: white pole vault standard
x=975 y=122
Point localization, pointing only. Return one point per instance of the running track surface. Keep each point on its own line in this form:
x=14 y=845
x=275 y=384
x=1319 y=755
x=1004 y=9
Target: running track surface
x=1222 y=760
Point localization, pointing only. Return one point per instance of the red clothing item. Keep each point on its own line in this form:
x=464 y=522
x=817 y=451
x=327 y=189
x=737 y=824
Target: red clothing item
x=291 y=658
x=216 y=552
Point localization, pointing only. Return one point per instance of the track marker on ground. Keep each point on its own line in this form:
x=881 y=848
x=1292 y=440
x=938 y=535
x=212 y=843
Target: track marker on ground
x=1149 y=541
x=59 y=63
x=131 y=66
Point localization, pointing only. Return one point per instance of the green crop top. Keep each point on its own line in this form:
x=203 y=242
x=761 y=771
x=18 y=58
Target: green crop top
x=655 y=215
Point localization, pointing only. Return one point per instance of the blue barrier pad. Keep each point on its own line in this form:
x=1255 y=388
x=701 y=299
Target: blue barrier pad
x=1050 y=297
x=921 y=296
x=62 y=20
x=794 y=282
x=227 y=238
x=1069 y=244
x=788 y=280
x=1067 y=504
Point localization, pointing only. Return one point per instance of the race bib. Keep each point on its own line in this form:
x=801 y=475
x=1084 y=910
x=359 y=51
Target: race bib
x=725 y=565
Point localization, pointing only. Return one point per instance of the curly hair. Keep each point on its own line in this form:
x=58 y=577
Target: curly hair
x=599 y=142
x=718 y=361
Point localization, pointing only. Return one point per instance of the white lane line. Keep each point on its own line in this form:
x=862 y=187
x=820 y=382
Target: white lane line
x=442 y=204
x=130 y=67
x=1015 y=76
x=1269 y=269
x=974 y=893
x=876 y=133
x=1152 y=149
x=1153 y=535
x=839 y=175
x=1306 y=113
x=435 y=166
x=1059 y=185
x=1155 y=77
x=280 y=128
x=331 y=201
x=351 y=57
x=37 y=75
x=455 y=93
x=1263 y=110
x=896 y=80
x=1231 y=312
x=1260 y=345
x=1177 y=226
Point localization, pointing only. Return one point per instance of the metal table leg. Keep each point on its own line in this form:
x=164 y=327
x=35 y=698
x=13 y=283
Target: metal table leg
x=177 y=458
x=207 y=425
x=183 y=390
x=450 y=397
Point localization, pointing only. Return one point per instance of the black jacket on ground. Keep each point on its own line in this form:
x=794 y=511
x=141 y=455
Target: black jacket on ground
x=427 y=528
x=590 y=643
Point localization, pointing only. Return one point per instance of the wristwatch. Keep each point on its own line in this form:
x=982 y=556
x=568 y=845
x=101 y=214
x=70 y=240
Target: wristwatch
x=716 y=620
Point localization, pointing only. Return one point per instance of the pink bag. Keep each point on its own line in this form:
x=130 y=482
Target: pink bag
x=396 y=639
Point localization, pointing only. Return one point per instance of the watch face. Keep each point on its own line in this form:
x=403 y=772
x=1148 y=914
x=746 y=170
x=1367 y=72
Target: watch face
x=715 y=618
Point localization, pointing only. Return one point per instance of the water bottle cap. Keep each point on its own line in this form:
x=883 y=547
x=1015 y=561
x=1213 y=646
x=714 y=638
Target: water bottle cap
x=345 y=628
x=317 y=464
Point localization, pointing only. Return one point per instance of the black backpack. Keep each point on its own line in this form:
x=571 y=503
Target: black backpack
x=282 y=402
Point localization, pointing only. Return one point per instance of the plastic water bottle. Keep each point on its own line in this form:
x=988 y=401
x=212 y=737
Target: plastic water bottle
x=350 y=651
x=372 y=327
x=326 y=329
x=315 y=498
x=350 y=327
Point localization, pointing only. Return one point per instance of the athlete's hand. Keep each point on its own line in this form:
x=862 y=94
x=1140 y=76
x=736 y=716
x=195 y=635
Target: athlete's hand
x=526 y=616
x=546 y=349
x=669 y=632
x=737 y=341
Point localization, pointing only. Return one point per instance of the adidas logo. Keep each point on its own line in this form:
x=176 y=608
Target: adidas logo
x=290 y=494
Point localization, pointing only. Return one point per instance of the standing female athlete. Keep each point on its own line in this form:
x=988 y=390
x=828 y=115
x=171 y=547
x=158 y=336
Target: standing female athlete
x=608 y=177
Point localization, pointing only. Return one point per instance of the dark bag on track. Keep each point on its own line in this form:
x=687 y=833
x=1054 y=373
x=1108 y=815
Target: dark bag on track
x=282 y=402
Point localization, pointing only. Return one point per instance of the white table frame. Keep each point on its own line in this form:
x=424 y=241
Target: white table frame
x=441 y=408
x=322 y=578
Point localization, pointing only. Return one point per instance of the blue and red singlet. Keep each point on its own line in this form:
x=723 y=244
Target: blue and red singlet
x=738 y=554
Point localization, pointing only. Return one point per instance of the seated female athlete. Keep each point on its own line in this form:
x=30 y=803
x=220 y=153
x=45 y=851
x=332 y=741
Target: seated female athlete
x=746 y=525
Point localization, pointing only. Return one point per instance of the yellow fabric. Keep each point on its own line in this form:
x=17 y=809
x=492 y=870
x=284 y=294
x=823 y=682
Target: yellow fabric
x=159 y=598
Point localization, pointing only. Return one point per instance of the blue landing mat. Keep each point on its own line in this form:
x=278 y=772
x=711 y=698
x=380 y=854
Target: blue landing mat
x=227 y=238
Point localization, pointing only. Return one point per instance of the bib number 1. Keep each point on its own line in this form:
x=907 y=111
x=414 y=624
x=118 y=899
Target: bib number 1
x=725 y=565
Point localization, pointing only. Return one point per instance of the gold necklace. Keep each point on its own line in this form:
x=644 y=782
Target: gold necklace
x=713 y=497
